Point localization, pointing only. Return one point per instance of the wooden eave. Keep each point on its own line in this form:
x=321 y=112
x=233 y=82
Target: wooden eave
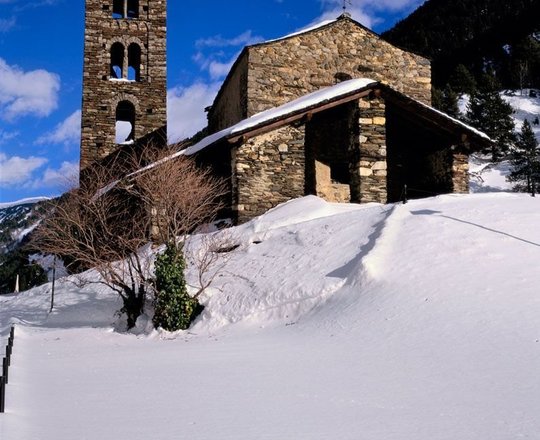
x=304 y=114
x=463 y=136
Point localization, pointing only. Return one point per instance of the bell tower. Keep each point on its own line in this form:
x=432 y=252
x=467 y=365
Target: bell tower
x=125 y=74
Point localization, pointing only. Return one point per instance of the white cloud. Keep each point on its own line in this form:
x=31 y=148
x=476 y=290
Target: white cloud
x=185 y=109
x=357 y=14
x=62 y=178
x=6 y=136
x=17 y=170
x=6 y=24
x=66 y=133
x=382 y=5
x=245 y=38
x=219 y=70
x=219 y=62
x=364 y=11
x=25 y=93
x=216 y=69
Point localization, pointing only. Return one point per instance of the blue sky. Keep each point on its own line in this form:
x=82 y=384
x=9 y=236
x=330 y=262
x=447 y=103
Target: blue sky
x=41 y=53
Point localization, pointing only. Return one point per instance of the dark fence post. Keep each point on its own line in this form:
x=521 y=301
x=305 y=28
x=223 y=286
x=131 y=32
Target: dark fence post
x=405 y=195
x=5 y=371
x=2 y=394
x=6 y=362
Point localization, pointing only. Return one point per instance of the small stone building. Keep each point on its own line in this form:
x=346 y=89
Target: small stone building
x=358 y=141
x=298 y=116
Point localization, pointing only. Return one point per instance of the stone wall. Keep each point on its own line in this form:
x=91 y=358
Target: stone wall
x=283 y=70
x=280 y=71
x=460 y=172
x=101 y=94
x=268 y=170
x=231 y=104
x=369 y=170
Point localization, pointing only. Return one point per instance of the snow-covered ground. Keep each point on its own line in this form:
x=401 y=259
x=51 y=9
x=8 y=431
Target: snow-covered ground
x=525 y=107
x=397 y=322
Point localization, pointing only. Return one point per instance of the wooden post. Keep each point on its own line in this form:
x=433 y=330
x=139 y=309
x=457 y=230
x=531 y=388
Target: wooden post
x=53 y=281
x=5 y=370
x=2 y=394
x=405 y=195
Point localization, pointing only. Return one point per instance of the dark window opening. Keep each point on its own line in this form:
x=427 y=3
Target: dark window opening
x=132 y=9
x=339 y=173
x=118 y=9
x=125 y=123
x=117 y=61
x=125 y=9
x=342 y=76
x=106 y=7
x=134 y=62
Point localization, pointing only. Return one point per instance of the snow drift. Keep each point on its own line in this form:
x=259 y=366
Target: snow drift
x=329 y=321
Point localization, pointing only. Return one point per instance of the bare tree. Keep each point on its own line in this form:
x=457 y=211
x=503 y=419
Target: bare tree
x=181 y=194
x=106 y=233
x=106 y=223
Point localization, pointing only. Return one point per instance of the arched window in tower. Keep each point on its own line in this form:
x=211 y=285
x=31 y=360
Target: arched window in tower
x=134 y=62
x=125 y=123
x=117 y=61
x=125 y=9
x=118 y=9
x=132 y=9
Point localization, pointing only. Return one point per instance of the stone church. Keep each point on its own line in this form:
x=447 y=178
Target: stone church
x=333 y=110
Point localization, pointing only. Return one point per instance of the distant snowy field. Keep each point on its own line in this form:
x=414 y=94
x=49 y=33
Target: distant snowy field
x=391 y=322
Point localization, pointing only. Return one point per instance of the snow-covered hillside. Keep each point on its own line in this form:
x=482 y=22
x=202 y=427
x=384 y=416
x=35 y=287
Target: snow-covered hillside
x=398 y=322
x=17 y=220
x=489 y=177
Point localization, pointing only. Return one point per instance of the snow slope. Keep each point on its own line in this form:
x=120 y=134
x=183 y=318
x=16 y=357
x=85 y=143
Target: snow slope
x=489 y=177
x=17 y=220
x=524 y=107
x=417 y=321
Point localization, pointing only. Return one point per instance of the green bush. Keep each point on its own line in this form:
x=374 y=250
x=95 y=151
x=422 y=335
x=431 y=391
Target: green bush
x=174 y=308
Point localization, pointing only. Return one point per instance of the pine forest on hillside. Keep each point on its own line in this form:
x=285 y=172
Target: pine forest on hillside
x=500 y=35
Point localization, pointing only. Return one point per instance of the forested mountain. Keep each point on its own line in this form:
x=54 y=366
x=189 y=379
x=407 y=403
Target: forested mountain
x=498 y=35
x=17 y=221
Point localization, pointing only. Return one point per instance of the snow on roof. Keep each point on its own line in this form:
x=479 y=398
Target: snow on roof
x=303 y=103
x=298 y=105
x=302 y=31
x=456 y=121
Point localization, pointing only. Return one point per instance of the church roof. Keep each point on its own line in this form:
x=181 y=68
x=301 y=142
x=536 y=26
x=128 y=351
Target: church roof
x=315 y=102
x=286 y=111
x=326 y=98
